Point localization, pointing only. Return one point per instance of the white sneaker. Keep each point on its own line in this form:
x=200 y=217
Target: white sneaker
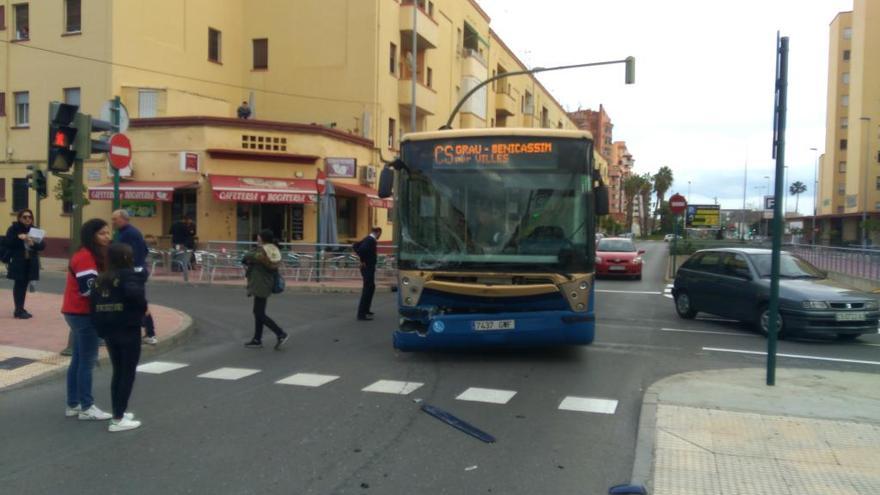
x=70 y=412
x=151 y=340
x=94 y=414
x=123 y=424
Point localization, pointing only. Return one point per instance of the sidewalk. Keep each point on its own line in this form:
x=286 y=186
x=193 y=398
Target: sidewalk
x=723 y=432
x=29 y=349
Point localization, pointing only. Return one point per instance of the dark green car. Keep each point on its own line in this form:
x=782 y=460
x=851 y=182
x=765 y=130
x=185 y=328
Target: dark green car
x=735 y=283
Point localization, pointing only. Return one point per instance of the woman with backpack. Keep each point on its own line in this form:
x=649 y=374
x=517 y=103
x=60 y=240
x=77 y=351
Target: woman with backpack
x=20 y=251
x=262 y=281
x=118 y=307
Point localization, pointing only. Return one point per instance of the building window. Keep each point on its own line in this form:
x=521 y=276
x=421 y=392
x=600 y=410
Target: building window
x=214 y=38
x=841 y=167
x=392 y=59
x=148 y=103
x=843 y=144
x=528 y=104
x=346 y=216
x=877 y=185
x=431 y=10
x=2 y=189
x=846 y=78
x=841 y=190
x=22 y=24
x=847 y=33
x=846 y=54
x=2 y=17
x=2 y=104
x=22 y=109
x=429 y=78
x=840 y=209
x=72 y=96
x=72 y=16
x=261 y=54
x=20 y=191
x=844 y=100
x=392 y=125
x=844 y=122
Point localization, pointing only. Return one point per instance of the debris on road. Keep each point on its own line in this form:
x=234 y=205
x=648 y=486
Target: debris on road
x=470 y=468
x=457 y=423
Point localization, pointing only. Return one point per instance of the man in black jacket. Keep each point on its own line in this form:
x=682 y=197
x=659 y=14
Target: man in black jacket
x=366 y=251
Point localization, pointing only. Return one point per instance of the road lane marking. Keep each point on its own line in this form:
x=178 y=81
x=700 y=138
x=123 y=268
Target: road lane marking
x=667 y=292
x=307 y=379
x=710 y=332
x=490 y=395
x=588 y=404
x=229 y=373
x=392 y=387
x=656 y=293
x=795 y=356
x=159 y=367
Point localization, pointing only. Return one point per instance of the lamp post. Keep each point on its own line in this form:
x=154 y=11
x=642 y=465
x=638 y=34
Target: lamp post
x=867 y=121
x=815 y=195
x=766 y=225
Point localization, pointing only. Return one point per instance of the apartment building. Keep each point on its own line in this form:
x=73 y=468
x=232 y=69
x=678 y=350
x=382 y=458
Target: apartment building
x=849 y=177
x=328 y=82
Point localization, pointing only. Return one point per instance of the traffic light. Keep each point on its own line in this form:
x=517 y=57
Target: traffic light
x=86 y=146
x=37 y=180
x=62 y=134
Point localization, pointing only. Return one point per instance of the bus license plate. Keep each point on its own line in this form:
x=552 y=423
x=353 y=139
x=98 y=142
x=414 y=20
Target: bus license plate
x=858 y=316
x=494 y=325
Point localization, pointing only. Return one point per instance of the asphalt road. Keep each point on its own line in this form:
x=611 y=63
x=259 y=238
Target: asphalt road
x=252 y=435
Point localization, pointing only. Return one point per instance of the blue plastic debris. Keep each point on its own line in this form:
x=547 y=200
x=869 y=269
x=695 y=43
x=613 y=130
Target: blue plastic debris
x=458 y=423
x=627 y=490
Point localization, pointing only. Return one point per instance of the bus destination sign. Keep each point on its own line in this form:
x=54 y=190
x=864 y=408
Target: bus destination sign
x=495 y=153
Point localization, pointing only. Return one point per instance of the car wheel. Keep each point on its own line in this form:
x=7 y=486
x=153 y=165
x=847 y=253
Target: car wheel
x=764 y=322
x=684 y=307
x=847 y=337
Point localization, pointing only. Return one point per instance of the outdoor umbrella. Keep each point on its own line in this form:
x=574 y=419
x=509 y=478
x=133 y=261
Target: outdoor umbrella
x=327 y=233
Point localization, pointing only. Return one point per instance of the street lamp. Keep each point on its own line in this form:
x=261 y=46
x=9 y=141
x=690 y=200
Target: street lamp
x=867 y=121
x=815 y=195
x=689 y=192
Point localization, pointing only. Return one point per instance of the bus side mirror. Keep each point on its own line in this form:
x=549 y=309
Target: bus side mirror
x=386 y=182
x=601 y=195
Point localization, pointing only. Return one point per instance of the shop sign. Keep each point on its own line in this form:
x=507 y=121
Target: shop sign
x=381 y=203
x=94 y=174
x=341 y=167
x=107 y=194
x=140 y=209
x=279 y=197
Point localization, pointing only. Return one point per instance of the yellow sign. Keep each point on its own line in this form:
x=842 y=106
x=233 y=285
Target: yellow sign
x=707 y=216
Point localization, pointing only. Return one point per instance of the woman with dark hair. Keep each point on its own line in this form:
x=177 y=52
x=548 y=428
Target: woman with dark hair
x=262 y=266
x=24 y=260
x=82 y=271
x=118 y=307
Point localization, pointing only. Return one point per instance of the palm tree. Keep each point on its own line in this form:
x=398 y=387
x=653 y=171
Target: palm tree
x=662 y=182
x=647 y=186
x=631 y=186
x=797 y=188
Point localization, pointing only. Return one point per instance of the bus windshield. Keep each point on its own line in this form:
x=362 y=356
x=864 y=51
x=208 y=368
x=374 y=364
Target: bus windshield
x=525 y=208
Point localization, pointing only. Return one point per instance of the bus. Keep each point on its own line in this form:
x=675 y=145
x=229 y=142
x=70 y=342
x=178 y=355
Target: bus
x=495 y=234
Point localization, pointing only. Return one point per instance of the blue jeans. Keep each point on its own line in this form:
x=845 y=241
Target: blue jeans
x=82 y=362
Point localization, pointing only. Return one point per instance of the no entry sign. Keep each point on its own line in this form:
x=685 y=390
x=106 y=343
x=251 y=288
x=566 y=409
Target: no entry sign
x=120 y=151
x=677 y=204
x=321 y=182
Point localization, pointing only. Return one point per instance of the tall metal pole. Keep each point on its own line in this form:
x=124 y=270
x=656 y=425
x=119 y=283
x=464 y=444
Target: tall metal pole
x=742 y=231
x=781 y=108
x=815 y=195
x=867 y=121
x=115 y=119
x=413 y=66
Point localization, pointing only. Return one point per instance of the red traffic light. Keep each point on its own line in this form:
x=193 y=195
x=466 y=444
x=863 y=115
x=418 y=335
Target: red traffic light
x=60 y=139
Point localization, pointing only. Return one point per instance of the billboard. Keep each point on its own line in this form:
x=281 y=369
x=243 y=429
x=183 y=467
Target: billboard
x=704 y=216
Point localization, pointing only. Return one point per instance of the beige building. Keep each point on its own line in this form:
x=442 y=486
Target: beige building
x=849 y=178
x=328 y=84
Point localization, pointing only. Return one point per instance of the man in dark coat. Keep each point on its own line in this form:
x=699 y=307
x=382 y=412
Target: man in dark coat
x=24 y=260
x=183 y=233
x=366 y=250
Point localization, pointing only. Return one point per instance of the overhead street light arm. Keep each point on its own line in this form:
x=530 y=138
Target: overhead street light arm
x=630 y=79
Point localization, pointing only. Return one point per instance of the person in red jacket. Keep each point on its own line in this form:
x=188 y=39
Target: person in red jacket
x=95 y=236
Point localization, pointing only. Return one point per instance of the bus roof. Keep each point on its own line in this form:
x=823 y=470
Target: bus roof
x=496 y=131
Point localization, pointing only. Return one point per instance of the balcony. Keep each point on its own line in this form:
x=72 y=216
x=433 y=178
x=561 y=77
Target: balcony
x=473 y=64
x=505 y=104
x=427 y=30
x=426 y=98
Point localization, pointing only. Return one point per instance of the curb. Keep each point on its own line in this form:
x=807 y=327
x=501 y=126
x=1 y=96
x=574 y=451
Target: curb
x=643 y=464
x=188 y=328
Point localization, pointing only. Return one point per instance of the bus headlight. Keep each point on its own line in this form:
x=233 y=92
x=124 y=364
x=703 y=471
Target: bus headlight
x=408 y=300
x=405 y=281
x=580 y=306
x=583 y=285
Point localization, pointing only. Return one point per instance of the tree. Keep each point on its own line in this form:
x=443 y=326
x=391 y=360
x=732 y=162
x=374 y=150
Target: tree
x=645 y=189
x=797 y=188
x=631 y=186
x=662 y=182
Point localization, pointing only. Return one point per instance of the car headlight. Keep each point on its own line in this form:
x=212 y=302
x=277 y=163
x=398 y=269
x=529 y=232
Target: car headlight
x=815 y=305
x=598 y=259
x=637 y=260
x=872 y=304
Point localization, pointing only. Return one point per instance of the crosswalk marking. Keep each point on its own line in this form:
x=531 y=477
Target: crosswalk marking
x=229 y=373
x=588 y=404
x=667 y=292
x=393 y=387
x=490 y=395
x=159 y=367
x=307 y=379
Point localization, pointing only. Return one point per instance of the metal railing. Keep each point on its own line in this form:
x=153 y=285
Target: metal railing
x=862 y=263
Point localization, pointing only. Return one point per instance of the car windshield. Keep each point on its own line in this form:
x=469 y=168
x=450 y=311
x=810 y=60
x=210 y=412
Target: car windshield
x=616 y=246
x=790 y=266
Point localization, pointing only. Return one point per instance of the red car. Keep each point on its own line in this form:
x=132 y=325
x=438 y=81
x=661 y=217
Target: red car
x=618 y=257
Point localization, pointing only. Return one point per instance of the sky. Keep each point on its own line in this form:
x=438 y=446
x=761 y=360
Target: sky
x=703 y=99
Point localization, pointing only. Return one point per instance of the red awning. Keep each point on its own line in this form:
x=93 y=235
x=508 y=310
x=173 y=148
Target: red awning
x=135 y=190
x=263 y=189
x=372 y=195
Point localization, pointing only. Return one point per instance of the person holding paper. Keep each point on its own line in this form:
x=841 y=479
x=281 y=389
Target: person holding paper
x=24 y=260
